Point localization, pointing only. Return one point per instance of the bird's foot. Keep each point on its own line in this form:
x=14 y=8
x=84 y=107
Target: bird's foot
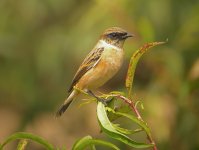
x=99 y=99
x=104 y=101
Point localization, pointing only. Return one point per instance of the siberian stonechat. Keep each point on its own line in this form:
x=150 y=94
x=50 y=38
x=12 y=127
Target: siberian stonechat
x=100 y=65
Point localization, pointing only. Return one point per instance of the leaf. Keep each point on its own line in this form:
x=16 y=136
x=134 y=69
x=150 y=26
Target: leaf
x=109 y=129
x=137 y=121
x=141 y=104
x=133 y=63
x=133 y=118
x=88 y=141
x=22 y=144
x=23 y=135
x=87 y=102
x=117 y=92
x=125 y=131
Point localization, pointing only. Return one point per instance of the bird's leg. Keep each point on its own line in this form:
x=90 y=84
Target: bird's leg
x=104 y=101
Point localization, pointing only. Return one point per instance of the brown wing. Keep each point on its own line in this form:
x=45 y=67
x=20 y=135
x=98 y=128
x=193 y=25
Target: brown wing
x=89 y=62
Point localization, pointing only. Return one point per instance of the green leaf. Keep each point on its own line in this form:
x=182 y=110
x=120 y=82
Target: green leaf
x=87 y=102
x=88 y=141
x=117 y=92
x=22 y=144
x=109 y=129
x=125 y=131
x=133 y=63
x=22 y=135
x=134 y=119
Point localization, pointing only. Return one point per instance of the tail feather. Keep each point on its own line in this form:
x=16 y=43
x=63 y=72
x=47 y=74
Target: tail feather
x=62 y=109
x=66 y=104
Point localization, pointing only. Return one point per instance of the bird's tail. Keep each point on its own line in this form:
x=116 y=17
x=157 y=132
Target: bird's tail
x=66 y=104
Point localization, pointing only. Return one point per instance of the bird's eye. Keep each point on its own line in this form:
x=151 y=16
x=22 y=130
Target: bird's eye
x=112 y=35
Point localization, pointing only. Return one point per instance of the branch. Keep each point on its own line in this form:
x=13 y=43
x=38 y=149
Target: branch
x=135 y=110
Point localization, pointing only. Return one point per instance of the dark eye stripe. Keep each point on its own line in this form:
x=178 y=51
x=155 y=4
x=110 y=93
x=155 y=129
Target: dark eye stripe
x=115 y=35
x=123 y=33
x=118 y=33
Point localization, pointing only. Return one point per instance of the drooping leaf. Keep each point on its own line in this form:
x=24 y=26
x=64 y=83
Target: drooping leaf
x=89 y=141
x=109 y=129
x=134 y=119
x=23 y=135
x=133 y=63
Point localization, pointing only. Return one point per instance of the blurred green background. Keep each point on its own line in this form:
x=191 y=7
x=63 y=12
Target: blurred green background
x=42 y=43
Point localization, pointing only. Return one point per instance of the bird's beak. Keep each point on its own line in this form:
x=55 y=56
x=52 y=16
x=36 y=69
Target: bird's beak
x=128 y=35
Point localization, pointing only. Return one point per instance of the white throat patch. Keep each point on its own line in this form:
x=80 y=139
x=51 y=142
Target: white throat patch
x=105 y=44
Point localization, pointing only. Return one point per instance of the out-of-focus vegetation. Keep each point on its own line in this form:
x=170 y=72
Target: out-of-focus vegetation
x=43 y=42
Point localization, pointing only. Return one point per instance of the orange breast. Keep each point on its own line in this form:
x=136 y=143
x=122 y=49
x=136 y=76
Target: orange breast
x=109 y=64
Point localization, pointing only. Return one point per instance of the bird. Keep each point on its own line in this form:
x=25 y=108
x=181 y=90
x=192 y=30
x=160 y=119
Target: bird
x=99 y=66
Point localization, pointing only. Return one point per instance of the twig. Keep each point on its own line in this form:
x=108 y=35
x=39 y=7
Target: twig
x=134 y=108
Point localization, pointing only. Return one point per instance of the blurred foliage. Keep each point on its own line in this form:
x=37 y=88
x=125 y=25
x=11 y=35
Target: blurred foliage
x=24 y=137
x=43 y=42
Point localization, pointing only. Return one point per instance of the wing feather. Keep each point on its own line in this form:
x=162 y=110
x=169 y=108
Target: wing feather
x=89 y=62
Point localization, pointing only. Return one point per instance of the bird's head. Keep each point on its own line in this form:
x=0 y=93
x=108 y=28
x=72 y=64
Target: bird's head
x=115 y=36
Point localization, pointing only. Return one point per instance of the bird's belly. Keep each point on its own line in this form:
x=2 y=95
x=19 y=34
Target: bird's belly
x=107 y=67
